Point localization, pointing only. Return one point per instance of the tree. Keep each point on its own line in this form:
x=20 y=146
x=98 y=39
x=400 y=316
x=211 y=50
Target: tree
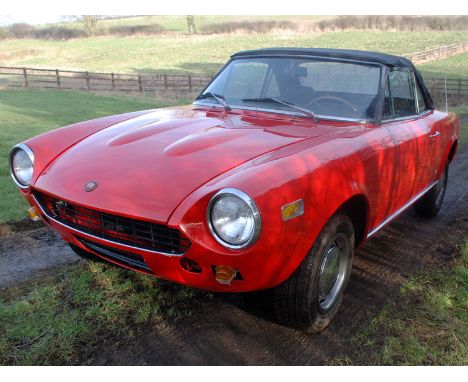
x=89 y=23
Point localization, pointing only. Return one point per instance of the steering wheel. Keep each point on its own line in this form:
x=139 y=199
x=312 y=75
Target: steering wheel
x=334 y=98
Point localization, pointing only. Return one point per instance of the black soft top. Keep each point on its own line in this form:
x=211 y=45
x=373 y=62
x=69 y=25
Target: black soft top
x=348 y=54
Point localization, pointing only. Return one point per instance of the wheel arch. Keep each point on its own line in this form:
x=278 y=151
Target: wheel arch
x=357 y=209
x=453 y=151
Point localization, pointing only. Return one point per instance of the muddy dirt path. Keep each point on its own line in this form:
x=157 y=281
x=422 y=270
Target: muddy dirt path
x=231 y=330
x=30 y=251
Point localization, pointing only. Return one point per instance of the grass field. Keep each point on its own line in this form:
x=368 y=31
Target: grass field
x=451 y=67
x=203 y=54
x=426 y=324
x=62 y=320
x=24 y=114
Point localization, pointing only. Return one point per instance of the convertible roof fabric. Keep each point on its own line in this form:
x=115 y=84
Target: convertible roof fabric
x=349 y=54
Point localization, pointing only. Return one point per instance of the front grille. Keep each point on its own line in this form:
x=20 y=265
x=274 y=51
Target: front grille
x=137 y=233
x=131 y=260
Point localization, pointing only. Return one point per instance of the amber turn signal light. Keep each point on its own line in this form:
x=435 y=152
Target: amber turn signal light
x=224 y=275
x=292 y=210
x=33 y=214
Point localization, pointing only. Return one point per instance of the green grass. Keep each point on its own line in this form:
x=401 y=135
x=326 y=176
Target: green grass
x=63 y=320
x=202 y=54
x=462 y=113
x=451 y=67
x=24 y=114
x=427 y=324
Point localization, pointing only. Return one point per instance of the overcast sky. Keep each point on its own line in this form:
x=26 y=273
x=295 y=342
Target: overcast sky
x=30 y=19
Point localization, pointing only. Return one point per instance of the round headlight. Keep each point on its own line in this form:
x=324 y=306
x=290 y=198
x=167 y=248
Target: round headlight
x=21 y=165
x=233 y=218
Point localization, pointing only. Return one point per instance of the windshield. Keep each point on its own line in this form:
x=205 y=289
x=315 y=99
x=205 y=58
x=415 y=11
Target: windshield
x=325 y=88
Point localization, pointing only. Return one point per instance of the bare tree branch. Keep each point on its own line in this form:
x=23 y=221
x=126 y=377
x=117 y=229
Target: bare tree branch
x=89 y=23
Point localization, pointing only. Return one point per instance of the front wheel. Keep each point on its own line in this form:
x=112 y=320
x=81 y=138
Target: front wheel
x=311 y=297
x=429 y=205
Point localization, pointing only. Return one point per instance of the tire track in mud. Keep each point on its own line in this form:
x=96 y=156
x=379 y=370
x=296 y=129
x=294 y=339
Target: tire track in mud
x=229 y=331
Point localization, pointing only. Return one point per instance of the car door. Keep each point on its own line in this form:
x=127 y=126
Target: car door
x=436 y=135
x=411 y=134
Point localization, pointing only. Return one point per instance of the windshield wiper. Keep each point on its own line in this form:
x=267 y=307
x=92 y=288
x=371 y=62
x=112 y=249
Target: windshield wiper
x=219 y=98
x=308 y=113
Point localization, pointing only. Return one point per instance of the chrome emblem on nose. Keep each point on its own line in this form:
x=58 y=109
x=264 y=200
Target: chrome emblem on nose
x=91 y=186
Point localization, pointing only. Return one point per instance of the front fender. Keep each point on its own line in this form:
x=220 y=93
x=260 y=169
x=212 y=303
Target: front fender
x=282 y=245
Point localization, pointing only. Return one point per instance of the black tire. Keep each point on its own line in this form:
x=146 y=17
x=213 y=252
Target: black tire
x=83 y=253
x=298 y=302
x=429 y=205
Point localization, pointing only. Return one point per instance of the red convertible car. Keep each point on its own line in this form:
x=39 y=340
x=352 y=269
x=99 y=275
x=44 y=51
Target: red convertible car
x=285 y=163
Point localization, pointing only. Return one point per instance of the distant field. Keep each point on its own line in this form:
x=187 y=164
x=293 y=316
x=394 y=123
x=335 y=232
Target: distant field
x=202 y=54
x=452 y=67
x=26 y=113
x=179 y=23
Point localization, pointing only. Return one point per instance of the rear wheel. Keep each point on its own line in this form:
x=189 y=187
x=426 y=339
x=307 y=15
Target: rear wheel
x=429 y=205
x=311 y=297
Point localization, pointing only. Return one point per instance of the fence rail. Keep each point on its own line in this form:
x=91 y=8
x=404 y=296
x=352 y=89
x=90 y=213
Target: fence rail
x=439 y=52
x=183 y=84
x=98 y=81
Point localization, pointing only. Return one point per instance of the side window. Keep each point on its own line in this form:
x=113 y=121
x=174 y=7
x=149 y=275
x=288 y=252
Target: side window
x=401 y=89
x=388 y=107
x=421 y=103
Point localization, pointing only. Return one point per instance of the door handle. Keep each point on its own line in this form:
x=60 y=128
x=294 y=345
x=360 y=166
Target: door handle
x=433 y=135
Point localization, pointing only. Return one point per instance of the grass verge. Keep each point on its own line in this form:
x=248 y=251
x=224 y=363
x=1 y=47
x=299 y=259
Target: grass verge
x=26 y=113
x=62 y=321
x=462 y=113
x=426 y=324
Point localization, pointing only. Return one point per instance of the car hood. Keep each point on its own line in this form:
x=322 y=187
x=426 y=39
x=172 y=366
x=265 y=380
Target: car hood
x=147 y=165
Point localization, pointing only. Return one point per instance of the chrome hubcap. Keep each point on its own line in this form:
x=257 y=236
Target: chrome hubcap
x=332 y=271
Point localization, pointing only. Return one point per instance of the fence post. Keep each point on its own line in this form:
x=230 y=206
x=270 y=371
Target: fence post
x=190 y=83
x=165 y=82
x=87 y=79
x=459 y=88
x=140 y=85
x=113 y=81
x=25 y=78
x=57 y=75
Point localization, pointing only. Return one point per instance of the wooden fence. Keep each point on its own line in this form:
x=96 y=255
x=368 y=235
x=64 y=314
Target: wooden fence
x=97 y=81
x=167 y=84
x=438 y=53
